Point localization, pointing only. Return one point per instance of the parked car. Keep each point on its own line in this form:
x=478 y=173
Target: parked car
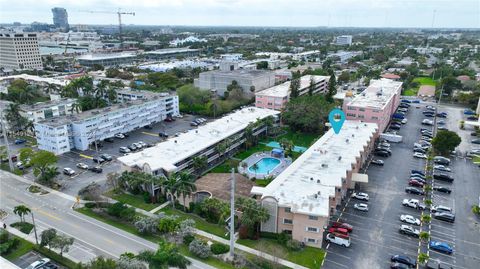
x=441 y=122
x=475 y=141
x=38 y=264
x=434 y=264
x=443 y=177
x=419 y=155
x=397 y=265
x=98 y=159
x=441 y=208
x=427 y=122
x=163 y=134
x=441 y=247
x=413 y=190
x=360 y=196
x=473 y=133
x=442 y=189
x=468 y=112
x=381 y=153
x=415 y=183
x=361 y=207
x=20 y=165
x=120 y=136
x=410 y=219
x=82 y=166
x=413 y=203
x=419 y=150
x=445 y=216
x=409 y=230
x=417 y=172
x=474 y=118
x=148 y=127
x=377 y=162
x=441 y=160
x=442 y=168
x=106 y=157
x=341 y=240
x=404 y=259
x=404 y=121
x=337 y=224
x=109 y=140
x=338 y=230
x=68 y=171
x=442 y=114
x=96 y=169
x=395 y=127
x=132 y=147
x=124 y=150
x=19 y=141
x=442 y=128
x=419 y=179
x=193 y=124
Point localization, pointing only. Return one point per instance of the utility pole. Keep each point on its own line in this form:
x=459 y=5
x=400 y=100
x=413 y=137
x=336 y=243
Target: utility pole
x=232 y=215
x=34 y=228
x=7 y=146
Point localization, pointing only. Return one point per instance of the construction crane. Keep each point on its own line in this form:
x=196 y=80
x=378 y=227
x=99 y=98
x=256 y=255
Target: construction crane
x=119 y=13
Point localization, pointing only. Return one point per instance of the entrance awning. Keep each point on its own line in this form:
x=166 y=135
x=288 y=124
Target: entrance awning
x=362 y=178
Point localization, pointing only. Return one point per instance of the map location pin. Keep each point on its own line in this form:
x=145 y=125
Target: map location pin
x=336 y=119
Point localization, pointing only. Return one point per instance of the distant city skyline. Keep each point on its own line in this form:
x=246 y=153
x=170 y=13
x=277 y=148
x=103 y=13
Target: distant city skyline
x=333 y=13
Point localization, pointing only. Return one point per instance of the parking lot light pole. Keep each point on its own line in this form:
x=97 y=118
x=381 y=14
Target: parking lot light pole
x=34 y=228
x=7 y=146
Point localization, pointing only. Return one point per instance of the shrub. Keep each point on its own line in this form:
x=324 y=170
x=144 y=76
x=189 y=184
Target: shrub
x=7 y=242
x=294 y=245
x=283 y=238
x=146 y=197
x=90 y=205
x=187 y=239
x=91 y=192
x=218 y=248
x=199 y=248
x=24 y=227
x=146 y=225
x=186 y=227
x=168 y=224
x=121 y=211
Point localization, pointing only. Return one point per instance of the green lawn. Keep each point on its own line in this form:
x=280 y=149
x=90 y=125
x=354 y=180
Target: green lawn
x=425 y=81
x=299 y=139
x=476 y=159
x=200 y=223
x=262 y=182
x=410 y=92
x=309 y=257
x=133 y=200
x=226 y=166
x=23 y=247
x=23 y=227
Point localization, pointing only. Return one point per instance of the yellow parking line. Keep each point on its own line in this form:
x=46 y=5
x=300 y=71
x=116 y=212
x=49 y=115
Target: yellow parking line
x=152 y=134
x=85 y=156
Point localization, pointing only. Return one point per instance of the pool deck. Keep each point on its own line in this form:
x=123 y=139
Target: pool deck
x=254 y=158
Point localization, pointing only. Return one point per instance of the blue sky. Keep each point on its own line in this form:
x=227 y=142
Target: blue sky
x=343 y=13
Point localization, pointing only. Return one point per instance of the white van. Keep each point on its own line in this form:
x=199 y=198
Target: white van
x=338 y=239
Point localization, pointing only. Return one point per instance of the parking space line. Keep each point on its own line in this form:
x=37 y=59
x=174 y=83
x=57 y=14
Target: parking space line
x=336 y=263
x=340 y=255
x=85 y=156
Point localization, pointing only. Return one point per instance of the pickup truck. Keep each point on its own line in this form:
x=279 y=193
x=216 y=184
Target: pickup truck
x=413 y=203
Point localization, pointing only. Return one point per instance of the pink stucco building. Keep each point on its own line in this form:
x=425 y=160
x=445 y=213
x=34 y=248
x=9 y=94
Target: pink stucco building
x=375 y=104
x=277 y=96
x=302 y=198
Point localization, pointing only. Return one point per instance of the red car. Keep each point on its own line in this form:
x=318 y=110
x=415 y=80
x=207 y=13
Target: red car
x=415 y=183
x=346 y=226
x=338 y=231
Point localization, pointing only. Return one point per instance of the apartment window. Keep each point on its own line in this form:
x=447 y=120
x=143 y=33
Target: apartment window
x=311 y=240
x=312 y=229
x=376 y=111
x=351 y=108
x=361 y=109
x=351 y=115
x=312 y=217
x=361 y=116
x=374 y=118
x=287 y=221
x=288 y=210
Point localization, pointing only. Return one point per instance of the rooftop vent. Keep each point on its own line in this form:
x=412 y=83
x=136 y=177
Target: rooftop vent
x=311 y=178
x=175 y=141
x=353 y=135
x=324 y=165
x=196 y=131
x=347 y=140
x=316 y=196
x=339 y=158
x=318 y=181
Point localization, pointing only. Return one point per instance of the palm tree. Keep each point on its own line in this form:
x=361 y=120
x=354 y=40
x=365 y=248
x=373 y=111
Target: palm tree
x=112 y=94
x=28 y=95
x=21 y=211
x=248 y=134
x=426 y=218
x=252 y=213
x=423 y=258
x=185 y=186
x=287 y=145
x=255 y=168
x=167 y=255
x=51 y=88
x=75 y=107
x=170 y=186
x=424 y=236
x=16 y=121
x=199 y=164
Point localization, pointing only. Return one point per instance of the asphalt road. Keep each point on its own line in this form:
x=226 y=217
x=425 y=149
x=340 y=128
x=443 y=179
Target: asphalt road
x=92 y=237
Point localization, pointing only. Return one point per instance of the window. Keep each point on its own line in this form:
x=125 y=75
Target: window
x=361 y=109
x=351 y=108
x=312 y=217
x=374 y=118
x=312 y=229
x=361 y=116
x=351 y=115
x=311 y=240
x=287 y=221
x=288 y=210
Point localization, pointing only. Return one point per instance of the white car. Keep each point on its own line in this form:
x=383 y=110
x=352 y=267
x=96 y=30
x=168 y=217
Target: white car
x=441 y=208
x=361 y=207
x=419 y=155
x=442 y=168
x=360 y=196
x=404 y=121
x=427 y=122
x=38 y=264
x=410 y=220
x=82 y=166
x=339 y=240
x=68 y=171
x=120 y=136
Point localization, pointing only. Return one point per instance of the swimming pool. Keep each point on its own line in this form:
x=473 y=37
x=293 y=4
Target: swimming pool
x=275 y=144
x=265 y=165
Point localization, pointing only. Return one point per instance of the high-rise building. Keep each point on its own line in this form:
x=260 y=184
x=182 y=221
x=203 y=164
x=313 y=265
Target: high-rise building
x=19 y=51
x=60 y=18
x=344 y=40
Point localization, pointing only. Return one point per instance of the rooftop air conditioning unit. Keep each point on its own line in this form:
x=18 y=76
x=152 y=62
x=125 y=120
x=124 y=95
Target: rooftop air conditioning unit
x=324 y=165
x=318 y=181
x=339 y=158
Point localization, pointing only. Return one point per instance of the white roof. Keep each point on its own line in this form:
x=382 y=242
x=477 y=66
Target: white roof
x=308 y=183
x=105 y=56
x=283 y=89
x=166 y=154
x=377 y=94
x=60 y=82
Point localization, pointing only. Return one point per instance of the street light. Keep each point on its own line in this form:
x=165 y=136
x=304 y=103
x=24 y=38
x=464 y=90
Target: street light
x=4 y=131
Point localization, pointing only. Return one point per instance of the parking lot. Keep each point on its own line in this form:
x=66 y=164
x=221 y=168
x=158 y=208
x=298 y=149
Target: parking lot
x=31 y=257
x=375 y=237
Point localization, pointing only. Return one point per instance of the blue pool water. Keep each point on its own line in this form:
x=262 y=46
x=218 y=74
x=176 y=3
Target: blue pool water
x=265 y=166
x=275 y=144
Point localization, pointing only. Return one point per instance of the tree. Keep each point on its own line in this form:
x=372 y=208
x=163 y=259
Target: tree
x=25 y=154
x=252 y=214
x=15 y=121
x=167 y=255
x=200 y=249
x=112 y=72
x=311 y=87
x=185 y=186
x=47 y=237
x=41 y=161
x=129 y=262
x=255 y=168
x=168 y=224
x=186 y=227
x=121 y=211
x=445 y=141
x=147 y=225
x=76 y=107
x=100 y=263
x=307 y=113
x=332 y=88
x=344 y=77
x=424 y=236
x=62 y=243
x=294 y=88
x=423 y=258
x=262 y=65
x=91 y=192
x=287 y=146
x=170 y=186
x=199 y=164
x=21 y=211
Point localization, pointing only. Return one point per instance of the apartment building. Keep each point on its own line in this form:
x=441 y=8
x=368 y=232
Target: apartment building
x=46 y=110
x=306 y=194
x=19 y=51
x=177 y=153
x=218 y=80
x=277 y=96
x=37 y=80
x=344 y=40
x=79 y=131
x=375 y=104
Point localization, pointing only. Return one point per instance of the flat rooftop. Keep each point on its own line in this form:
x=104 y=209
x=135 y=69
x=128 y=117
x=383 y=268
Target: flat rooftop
x=377 y=94
x=93 y=57
x=308 y=183
x=47 y=104
x=171 y=50
x=59 y=121
x=283 y=89
x=239 y=73
x=166 y=154
x=60 y=82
